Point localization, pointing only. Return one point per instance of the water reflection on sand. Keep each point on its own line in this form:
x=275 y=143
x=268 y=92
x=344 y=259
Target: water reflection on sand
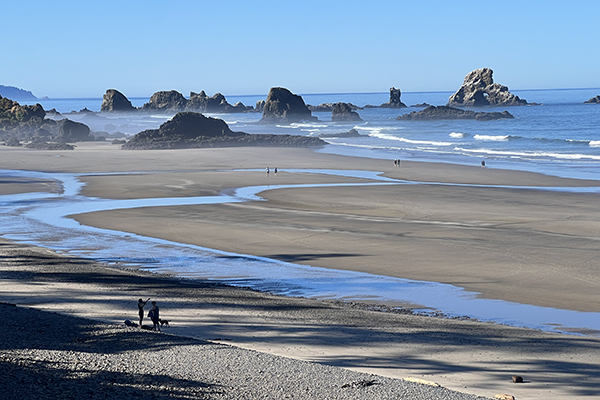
x=40 y=219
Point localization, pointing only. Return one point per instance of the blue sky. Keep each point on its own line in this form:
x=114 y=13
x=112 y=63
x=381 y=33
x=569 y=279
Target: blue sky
x=81 y=48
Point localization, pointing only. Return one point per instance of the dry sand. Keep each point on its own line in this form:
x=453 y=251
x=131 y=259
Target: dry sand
x=530 y=246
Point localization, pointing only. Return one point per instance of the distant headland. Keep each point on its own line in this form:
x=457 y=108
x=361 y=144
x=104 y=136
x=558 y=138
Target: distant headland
x=15 y=93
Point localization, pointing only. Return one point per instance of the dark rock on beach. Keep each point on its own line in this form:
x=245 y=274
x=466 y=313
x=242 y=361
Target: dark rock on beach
x=113 y=100
x=194 y=130
x=444 y=112
x=342 y=112
x=479 y=90
x=282 y=106
x=70 y=131
x=593 y=100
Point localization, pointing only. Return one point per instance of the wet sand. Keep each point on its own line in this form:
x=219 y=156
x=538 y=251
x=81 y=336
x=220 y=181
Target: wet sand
x=530 y=246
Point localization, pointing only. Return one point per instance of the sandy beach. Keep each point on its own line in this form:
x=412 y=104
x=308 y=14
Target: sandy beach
x=524 y=245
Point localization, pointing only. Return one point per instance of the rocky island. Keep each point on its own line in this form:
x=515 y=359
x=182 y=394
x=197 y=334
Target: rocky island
x=284 y=107
x=444 y=112
x=172 y=102
x=593 y=100
x=394 y=101
x=479 y=90
x=194 y=130
x=342 y=112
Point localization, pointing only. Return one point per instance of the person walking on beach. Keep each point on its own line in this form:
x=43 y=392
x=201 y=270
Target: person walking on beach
x=154 y=315
x=267 y=170
x=141 y=304
x=275 y=171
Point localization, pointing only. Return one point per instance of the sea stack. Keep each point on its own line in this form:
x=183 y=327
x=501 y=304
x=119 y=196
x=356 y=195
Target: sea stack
x=342 y=112
x=115 y=101
x=395 y=101
x=282 y=106
x=479 y=90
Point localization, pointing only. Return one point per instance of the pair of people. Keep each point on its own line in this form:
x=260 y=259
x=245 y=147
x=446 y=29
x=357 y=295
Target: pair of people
x=153 y=314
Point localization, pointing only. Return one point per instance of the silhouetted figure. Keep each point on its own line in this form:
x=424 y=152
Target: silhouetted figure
x=141 y=304
x=154 y=315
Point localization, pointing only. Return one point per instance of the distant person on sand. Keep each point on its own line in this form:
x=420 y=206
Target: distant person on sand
x=275 y=171
x=482 y=163
x=267 y=170
x=154 y=315
x=141 y=304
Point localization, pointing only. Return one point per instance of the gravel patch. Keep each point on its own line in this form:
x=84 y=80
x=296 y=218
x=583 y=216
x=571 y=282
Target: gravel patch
x=44 y=355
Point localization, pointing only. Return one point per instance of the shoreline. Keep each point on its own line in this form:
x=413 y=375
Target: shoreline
x=343 y=216
x=438 y=229
x=468 y=356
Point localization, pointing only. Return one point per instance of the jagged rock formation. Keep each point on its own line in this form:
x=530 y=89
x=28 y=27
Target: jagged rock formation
x=200 y=102
x=444 y=112
x=194 y=130
x=282 y=106
x=26 y=123
x=593 y=100
x=394 y=102
x=173 y=102
x=342 y=112
x=113 y=100
x=479 y=90
x=166 y=101
x=260 y=105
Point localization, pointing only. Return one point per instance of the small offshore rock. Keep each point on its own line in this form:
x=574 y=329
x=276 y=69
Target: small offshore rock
x=593 y=100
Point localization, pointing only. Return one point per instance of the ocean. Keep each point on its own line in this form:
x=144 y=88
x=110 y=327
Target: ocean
x=559 y=137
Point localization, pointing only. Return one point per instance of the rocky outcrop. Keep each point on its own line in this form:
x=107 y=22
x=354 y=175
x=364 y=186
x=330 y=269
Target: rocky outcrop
x=194 y=130
x=394 y=102
x=593 y=100
x=166 y=101
x=282 y=106
x=349 y=134
x=113 y=100
x=174 y=102
x=71 y=131
x=342 y=112
x=260 y=105
x=479 y=90
x=27 y=123
x=421 y=105
x=444 y=112
x=328 y=107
